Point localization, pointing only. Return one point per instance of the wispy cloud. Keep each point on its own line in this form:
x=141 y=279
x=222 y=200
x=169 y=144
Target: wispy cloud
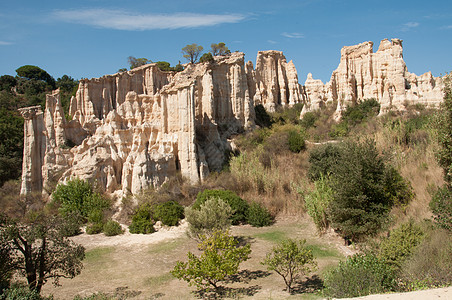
x=272 y=42
x=293 y=35
x=410 y=25
x=121 y=20
x=3 y=43
x=447 y=27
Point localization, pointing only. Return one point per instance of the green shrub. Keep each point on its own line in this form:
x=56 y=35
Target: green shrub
x=323 y=159
x=430 y=265
x=238 y=205
x=206 y=57
x=214 y=214
x=142 y=221
x=72 y=225
x=441 y=207
x=291 y=259
x=22 y=292
x=359 y=275
x=317 y=203
x=220 y=259
x=77 y=196
x=112 y=228
x=296 y=141
x=308 y=120
x=169 y=213
x=400 y=244
x=398 y=190
x=94 y=228
x=258 y=215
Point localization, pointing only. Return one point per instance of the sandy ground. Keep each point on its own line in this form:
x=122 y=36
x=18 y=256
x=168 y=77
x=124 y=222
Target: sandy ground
x=128 y=239
x=443 y=293
x=167 y=234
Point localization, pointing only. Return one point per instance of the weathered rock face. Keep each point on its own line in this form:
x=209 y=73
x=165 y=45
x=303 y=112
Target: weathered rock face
x=136 y=129
x=275 y=81
x=383 y=75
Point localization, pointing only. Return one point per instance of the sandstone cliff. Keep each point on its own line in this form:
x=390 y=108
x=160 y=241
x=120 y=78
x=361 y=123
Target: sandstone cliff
x=135 y=129
x=383 y=75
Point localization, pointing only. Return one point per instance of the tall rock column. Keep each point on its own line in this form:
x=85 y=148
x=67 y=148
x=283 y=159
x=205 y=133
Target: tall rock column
x=34 y=149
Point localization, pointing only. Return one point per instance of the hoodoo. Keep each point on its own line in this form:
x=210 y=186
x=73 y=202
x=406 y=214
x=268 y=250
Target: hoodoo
x=136 y=129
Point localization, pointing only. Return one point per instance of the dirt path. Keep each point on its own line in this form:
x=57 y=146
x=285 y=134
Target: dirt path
x=443 y=293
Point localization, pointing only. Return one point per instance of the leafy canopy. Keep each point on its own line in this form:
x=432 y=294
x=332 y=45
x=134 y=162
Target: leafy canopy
x=220 y=258
x=291 y=259
x=192 y=52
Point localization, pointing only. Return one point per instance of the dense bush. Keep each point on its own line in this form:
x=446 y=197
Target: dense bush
x=206 y=57
x=398 y=190
x=142 y=221
x=94 y=228
x=214 y=214
x=400 y=244
x=441 y=207
x=22 y=292
x=309 y=120
x=112 y=228
x=72 y=225
x=296 y=141
x=77 y=196
x=317 y=203
x=323 y=159
x=359 y=275
x=258 y=215
x=238 y=205
x=169 y=213
x=430 y=264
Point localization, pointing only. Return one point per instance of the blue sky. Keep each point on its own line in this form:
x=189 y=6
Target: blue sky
x=91 y=38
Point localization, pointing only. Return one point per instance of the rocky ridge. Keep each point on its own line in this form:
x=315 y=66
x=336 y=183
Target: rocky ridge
x=136 y=129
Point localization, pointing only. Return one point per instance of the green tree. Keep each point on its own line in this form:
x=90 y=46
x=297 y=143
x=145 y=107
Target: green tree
x=219 y=49
x=7 y=82
x=206 y=57
x=360 y=204
x=66 y=83
x=137 y=62
x=317 y=203
x=192 y=52
x=291 y=259
x=163 y=65
x=36 y=73
x=220 y=258
x=39 y=252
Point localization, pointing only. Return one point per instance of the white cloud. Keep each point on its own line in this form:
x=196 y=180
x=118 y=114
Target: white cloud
x=121 y=20
x=272 y=42
x=447 y=27
x=3 y=43
x=293 y=35
x=409 y=25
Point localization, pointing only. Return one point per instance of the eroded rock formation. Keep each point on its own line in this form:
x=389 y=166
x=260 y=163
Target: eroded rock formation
x=135 y=129
x=383 y=75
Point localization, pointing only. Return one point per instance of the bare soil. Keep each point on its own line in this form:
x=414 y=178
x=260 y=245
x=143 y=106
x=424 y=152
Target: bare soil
x=137 y=266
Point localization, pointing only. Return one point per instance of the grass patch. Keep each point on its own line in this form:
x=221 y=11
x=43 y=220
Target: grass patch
x=164 y=247
x=98 y=255
x=320 y=251
x=271 y=236
x=154 y=281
